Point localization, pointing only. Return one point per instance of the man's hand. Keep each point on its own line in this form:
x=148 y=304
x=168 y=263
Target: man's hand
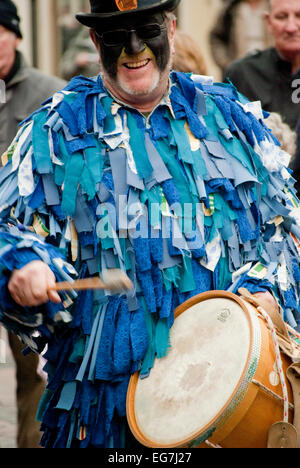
x=29 y=286
x=267 y=301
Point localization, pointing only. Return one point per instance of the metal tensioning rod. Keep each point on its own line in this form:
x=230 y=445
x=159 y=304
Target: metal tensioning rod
x=113 y=280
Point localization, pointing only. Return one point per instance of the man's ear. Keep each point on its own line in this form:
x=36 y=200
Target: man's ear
x=268 y=21
x=173 y=28
x=172 y=36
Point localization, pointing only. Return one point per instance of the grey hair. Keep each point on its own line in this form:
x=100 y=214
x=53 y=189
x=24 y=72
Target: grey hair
x=282 y=131
x=169 y=16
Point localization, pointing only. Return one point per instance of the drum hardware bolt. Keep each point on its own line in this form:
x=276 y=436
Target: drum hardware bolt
x=283 y=442
x=283 y=438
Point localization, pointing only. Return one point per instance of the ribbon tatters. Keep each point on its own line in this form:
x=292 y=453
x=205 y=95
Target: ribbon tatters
x=184 y=201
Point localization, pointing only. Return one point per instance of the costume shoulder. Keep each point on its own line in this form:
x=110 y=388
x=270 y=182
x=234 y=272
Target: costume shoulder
x=236 y=130
x=58 y=143
x=227 y=109
x=249 y=160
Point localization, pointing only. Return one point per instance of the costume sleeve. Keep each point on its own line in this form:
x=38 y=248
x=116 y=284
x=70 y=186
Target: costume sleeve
x=33 y=325
x=48 y=186
x=30 y=230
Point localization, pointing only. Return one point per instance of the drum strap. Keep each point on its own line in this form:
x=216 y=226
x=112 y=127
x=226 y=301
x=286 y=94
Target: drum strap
x=293 y=375
x=288 y=347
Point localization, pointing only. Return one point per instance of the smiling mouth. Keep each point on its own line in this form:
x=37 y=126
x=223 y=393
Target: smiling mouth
x=136 y=65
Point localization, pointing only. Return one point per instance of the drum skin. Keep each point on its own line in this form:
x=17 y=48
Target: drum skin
x=249 y=423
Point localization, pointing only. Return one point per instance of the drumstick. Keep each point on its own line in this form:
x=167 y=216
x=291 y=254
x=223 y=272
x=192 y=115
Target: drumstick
x=114 y=280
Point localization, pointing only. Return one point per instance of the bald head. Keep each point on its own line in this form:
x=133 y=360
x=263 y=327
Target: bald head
x=283 y=20
x=274 y=3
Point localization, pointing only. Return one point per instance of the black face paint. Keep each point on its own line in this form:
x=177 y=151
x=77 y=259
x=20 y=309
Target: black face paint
x=133 y=44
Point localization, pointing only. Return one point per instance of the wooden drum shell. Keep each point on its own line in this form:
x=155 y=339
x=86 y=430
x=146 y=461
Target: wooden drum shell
x=260 y=407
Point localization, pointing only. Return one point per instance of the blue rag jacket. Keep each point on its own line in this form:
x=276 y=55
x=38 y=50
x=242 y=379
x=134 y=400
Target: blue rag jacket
x=194 y=197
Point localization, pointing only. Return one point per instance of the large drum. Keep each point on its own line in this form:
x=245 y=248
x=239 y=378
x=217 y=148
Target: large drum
x=219 y=385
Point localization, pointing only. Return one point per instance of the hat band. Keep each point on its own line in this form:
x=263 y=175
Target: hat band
x=126 y=5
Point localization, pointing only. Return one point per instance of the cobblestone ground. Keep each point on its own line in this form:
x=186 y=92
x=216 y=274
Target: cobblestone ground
x=7 y=402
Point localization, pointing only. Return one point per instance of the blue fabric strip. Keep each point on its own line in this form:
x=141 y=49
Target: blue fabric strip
x=91 y=342
x=50 y=190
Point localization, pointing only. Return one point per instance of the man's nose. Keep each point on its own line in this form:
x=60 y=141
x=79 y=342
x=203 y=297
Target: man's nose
x=292 y=24
x=134 y=44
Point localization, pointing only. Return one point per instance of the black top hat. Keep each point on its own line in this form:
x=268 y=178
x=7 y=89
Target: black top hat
x=104 y=9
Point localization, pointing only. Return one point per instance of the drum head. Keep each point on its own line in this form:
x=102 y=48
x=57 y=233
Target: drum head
x=192 y=386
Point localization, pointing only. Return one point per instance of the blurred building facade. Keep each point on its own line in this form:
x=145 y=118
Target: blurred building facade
x=49 y=25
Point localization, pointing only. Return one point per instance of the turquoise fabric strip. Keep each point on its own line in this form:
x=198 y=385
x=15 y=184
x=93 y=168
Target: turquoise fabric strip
x=71 y=182
x=169 y=157
x=182 y=142
x=137 y=144
x=40 y=143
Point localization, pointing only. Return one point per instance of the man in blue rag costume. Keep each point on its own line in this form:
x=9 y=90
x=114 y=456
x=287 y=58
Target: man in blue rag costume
x=167 y=176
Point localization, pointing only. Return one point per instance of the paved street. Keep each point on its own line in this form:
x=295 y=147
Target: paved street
x=7 y=402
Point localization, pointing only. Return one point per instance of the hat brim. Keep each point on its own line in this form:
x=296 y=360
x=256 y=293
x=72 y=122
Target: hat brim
x=92 y=19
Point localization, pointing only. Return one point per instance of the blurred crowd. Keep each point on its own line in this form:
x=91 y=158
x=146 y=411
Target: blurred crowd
x=256 y=44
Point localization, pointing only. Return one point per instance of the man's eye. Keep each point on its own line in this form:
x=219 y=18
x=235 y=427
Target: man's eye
x=281 y=17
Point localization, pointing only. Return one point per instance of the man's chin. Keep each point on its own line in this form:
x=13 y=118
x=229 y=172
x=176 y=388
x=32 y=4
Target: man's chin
x=289 y=47
x=139 y=91
x=135 y=89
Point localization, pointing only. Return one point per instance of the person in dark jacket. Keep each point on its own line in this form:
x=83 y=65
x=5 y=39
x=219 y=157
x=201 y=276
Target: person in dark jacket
x=296 y=161
x=25 y=90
